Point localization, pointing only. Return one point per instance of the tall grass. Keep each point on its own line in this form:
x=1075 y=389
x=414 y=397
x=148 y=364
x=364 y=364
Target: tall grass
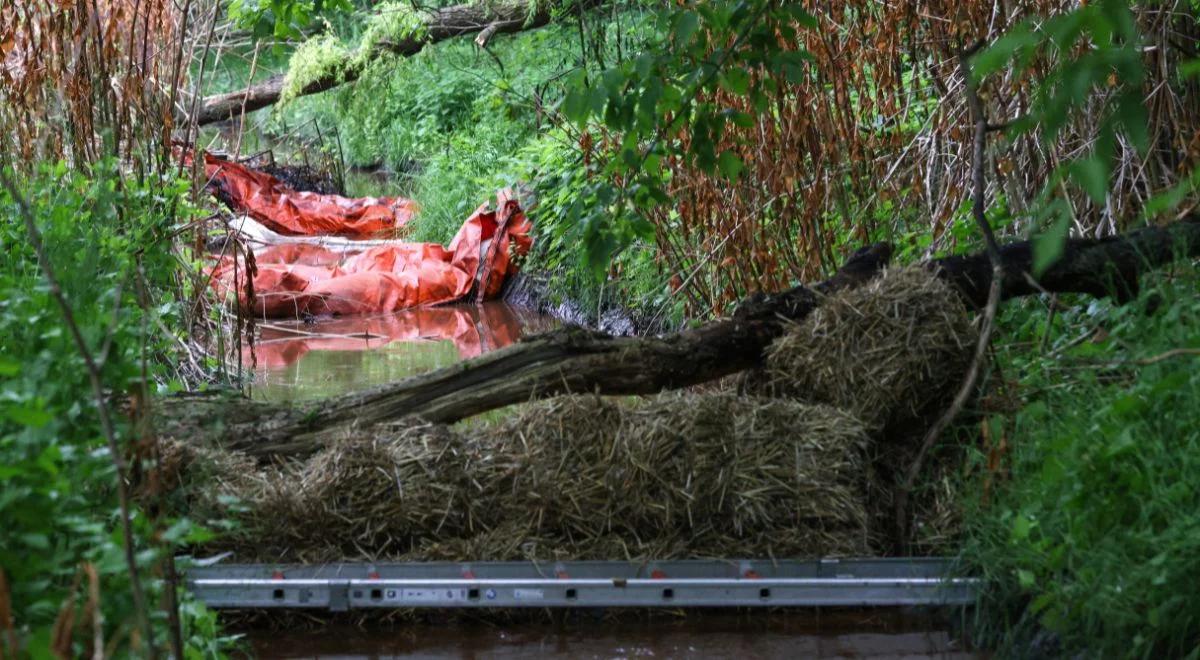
x=1094 y=533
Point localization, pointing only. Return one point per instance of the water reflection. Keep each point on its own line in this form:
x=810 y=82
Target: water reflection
x=295 y=361
x=884 y=634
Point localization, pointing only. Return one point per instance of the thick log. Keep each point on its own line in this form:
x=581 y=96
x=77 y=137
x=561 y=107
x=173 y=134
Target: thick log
x=440 y=25
x=1096 y=267
x=573 y=360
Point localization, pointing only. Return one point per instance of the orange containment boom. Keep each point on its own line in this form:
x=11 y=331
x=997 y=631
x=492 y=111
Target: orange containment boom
x=267 y=200
x=295 y=280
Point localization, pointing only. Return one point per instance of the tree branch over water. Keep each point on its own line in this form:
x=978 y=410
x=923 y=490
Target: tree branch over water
x=438 y=25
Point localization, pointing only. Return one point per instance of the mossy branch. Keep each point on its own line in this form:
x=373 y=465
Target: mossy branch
x=396 y=30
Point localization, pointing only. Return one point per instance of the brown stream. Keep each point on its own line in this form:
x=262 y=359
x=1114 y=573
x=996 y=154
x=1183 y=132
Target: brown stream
x=854 y=634
x=294 y=360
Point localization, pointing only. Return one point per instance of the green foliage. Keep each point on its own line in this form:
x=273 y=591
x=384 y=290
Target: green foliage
x=282 y=18
x=566 y=208
x=315 y=59
x=455 y=123
x=448 y=120
x=57 y=498
x=649 y=100
x=1096 y=537
x=389 y=21
x=1095 y=52
x=328 y=56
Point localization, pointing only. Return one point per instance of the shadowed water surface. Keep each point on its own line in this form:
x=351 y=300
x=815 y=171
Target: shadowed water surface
x=866 y=634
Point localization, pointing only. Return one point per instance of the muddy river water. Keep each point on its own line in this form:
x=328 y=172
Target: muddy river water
x=854 y=634
x=295 y=361
x=298 y=361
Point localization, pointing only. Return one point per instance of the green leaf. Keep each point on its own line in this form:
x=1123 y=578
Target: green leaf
x=800 y=15
x=730 y=165
x=685 y=26
x=1026 y=578
x=575 y=105
x=1134 y=120
x=1091 y=174
x=994 y=58
x=1048 y=246
x=741 y=119
x=29 y=416
x=736 y=81
x=9 y=367
x=1021 y=527
x=36 y=541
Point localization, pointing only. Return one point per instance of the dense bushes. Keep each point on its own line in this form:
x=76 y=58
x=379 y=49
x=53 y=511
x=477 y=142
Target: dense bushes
x=1095 y=534
x=58 y=507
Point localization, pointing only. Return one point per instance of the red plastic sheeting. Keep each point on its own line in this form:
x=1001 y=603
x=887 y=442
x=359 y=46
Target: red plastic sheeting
x=473 y=329
x=281 y=209
x=294 y=280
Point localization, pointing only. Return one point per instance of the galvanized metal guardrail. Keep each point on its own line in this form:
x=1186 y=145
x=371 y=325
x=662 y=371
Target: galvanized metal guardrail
x=691 y=583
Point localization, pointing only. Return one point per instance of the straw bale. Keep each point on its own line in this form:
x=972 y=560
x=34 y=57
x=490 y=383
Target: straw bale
x=888 y=351
x=674 y=476
x=682 y=475
x=209 y=479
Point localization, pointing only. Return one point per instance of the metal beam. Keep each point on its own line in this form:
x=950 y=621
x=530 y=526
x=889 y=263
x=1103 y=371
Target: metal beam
x=692 y=583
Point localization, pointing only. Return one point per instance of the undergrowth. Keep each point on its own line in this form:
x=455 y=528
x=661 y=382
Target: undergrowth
x=454 y=124
x=1090 y=543
x=59 y=523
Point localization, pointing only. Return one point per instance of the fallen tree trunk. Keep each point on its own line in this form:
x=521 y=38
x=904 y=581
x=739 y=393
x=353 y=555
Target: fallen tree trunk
x=573 y=360
x=439 y=25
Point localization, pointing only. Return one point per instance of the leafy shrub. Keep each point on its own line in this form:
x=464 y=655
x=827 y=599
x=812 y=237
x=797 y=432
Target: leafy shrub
x=1096 y=537
x=57 y=499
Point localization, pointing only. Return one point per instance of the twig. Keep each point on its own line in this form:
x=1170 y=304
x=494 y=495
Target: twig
x=237 y=149
x=147 y=432
x=1049 y=323
x=106 y=424
x=1174 y=352
x=6 y=619
x=978 y=210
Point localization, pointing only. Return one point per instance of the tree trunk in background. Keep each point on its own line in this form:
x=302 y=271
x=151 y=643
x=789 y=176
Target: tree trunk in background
x=440 y=24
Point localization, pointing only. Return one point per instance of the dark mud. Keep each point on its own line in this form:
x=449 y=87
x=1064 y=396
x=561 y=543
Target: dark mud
x=532 y=291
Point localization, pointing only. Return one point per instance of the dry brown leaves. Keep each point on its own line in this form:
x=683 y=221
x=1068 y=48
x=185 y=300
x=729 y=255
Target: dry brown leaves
x=880 y=132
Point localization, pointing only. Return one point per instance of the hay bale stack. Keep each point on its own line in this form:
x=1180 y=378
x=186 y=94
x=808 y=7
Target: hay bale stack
x=545 y=467
x=369 y=496
x=736 y=465
x=887 y=351
x=675 y=476
x=691 y=475
x=377 y=494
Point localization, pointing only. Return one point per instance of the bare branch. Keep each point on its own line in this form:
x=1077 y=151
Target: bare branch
x=978 y=210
